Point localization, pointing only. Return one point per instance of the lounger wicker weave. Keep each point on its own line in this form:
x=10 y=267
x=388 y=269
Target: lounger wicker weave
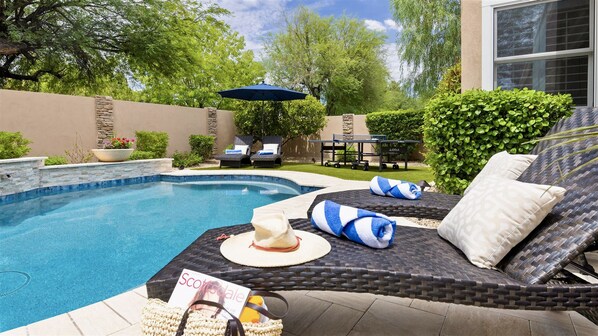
x=237 y=160
x=269 y=160
x=422 y=265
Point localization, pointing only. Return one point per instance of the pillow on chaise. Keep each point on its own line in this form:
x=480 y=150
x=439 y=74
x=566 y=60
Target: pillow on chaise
x=495 y=215
x=504 y=165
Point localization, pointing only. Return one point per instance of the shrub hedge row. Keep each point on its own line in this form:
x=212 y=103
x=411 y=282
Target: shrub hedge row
x=397 y=125
x=462 y=131
x=13 y=145
x=201 y=145
x=154 y=142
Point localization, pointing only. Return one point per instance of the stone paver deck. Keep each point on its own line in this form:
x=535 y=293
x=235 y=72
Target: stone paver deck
x=330 y=313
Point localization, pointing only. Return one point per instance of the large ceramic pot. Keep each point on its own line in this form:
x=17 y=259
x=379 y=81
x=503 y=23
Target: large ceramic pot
x=112 y=155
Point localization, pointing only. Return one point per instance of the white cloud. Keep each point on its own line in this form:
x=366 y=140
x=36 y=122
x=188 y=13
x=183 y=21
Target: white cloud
x=391 y=24
x=397 y=69
x=254 y=19
x=374 y=25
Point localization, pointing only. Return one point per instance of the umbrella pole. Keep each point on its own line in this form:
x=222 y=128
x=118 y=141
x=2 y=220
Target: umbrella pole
x=263 y=134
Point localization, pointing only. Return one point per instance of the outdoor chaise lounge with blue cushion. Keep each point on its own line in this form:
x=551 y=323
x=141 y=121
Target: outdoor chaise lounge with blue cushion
x=243 y=144
x=270 y=154
x=422 y=265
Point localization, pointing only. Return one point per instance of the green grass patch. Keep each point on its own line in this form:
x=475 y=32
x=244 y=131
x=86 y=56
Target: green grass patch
x=413 y=174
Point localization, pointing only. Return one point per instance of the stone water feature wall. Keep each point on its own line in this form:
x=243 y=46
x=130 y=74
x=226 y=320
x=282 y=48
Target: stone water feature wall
x=30 y=175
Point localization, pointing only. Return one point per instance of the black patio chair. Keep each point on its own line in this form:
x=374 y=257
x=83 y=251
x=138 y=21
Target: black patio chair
x=422 y=265
x=237 y=160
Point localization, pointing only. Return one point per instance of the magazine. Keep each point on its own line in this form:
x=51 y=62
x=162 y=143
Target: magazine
x=193 y=286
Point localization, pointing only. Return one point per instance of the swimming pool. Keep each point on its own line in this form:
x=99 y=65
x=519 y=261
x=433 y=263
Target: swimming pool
x=65 y=251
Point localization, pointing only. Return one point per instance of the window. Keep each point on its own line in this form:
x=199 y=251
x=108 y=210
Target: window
x=546 y=46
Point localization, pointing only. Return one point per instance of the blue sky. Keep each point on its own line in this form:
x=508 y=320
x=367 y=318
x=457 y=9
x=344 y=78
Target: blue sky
x=254 y=19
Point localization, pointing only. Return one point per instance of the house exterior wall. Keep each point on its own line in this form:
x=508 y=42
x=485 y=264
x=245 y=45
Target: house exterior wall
x=471 y=44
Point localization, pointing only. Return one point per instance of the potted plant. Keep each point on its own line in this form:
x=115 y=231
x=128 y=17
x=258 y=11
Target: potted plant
x=115 y=150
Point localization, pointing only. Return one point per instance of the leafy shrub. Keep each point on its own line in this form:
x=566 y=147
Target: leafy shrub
x=201 y=145
x=55 y=161
x=290 y=119
x=155 y=142
x=13 y=145
x=186 y=159
x=451 y=80
x=397 y=125
x=141 y=155
x=462 y=131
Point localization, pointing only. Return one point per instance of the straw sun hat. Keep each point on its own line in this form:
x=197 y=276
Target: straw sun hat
x=274 y=243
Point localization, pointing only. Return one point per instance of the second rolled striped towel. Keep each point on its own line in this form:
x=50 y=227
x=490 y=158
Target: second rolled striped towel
x=395 y=188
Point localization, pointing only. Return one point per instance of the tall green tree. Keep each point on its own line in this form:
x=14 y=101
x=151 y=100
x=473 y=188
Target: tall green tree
x=338 y=61
x=85 y=38
x=429 y=41
x=395 y=98
x=173 y=52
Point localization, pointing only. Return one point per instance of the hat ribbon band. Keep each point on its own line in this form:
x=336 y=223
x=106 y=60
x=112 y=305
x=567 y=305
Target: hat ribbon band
x=277 y=249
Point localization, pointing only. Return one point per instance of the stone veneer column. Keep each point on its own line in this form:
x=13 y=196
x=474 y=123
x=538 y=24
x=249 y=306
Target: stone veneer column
x=213 y=125
x=104 y=118
x=348 y=123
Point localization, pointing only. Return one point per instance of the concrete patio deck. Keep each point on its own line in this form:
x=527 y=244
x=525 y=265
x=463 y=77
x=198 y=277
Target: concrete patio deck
x=331 y=313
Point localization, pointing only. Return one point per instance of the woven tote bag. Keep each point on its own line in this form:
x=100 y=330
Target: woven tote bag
x=159 y=319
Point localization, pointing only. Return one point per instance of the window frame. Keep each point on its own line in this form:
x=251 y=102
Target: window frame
x=490 y=60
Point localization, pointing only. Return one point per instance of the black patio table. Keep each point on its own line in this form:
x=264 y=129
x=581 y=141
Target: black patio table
x=386 y=148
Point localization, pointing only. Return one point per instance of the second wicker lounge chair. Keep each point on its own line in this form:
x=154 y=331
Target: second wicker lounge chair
x=269 y=160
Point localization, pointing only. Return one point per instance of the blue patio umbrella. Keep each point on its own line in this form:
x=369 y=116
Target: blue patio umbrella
x=263 y=92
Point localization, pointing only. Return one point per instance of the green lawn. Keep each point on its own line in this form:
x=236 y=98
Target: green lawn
x=413 y=174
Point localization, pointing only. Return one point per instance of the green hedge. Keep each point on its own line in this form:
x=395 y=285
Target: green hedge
x=186 y=159
x=201 y=145
x=141 y=155
x=462 y=131
x=55 y=161
x=155 y=142
x=13 y=145
x=397 y=125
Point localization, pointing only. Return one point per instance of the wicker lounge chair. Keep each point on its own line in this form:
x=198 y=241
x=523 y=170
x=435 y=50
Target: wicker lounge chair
x=271 y=159
x=237 y=160
x=422 y=265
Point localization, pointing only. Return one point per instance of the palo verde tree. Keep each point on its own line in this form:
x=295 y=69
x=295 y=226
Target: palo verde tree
x=338 y=61
x=101 y=46
x=429 y=41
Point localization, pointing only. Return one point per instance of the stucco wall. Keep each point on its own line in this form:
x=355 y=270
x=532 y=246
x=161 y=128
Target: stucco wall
x=52 y=122
x=471 y=44
x=179 y=122
x=301 y=149
x=226 y=130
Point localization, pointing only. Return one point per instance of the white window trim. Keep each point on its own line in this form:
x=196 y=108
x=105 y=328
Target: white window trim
x=489 y=45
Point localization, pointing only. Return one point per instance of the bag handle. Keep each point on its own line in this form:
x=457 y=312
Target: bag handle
x=265 y=311
x=234 y=326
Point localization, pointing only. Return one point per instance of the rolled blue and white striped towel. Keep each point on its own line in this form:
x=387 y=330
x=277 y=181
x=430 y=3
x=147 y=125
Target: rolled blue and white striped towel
x=233 y=151
x=395 y=188
x=361 y=226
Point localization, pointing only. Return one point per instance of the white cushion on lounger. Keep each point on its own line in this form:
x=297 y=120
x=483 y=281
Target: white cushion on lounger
x=271 y=147
x=244 y=149
x=495 y=215
x=505 y=165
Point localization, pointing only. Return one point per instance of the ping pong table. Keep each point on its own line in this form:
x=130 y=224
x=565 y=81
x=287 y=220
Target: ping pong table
x=384 y=148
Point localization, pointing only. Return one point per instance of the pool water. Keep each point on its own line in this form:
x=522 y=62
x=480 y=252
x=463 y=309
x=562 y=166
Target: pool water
x=62 y=252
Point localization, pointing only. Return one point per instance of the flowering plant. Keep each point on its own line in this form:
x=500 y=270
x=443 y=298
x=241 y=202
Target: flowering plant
x=118 y=143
